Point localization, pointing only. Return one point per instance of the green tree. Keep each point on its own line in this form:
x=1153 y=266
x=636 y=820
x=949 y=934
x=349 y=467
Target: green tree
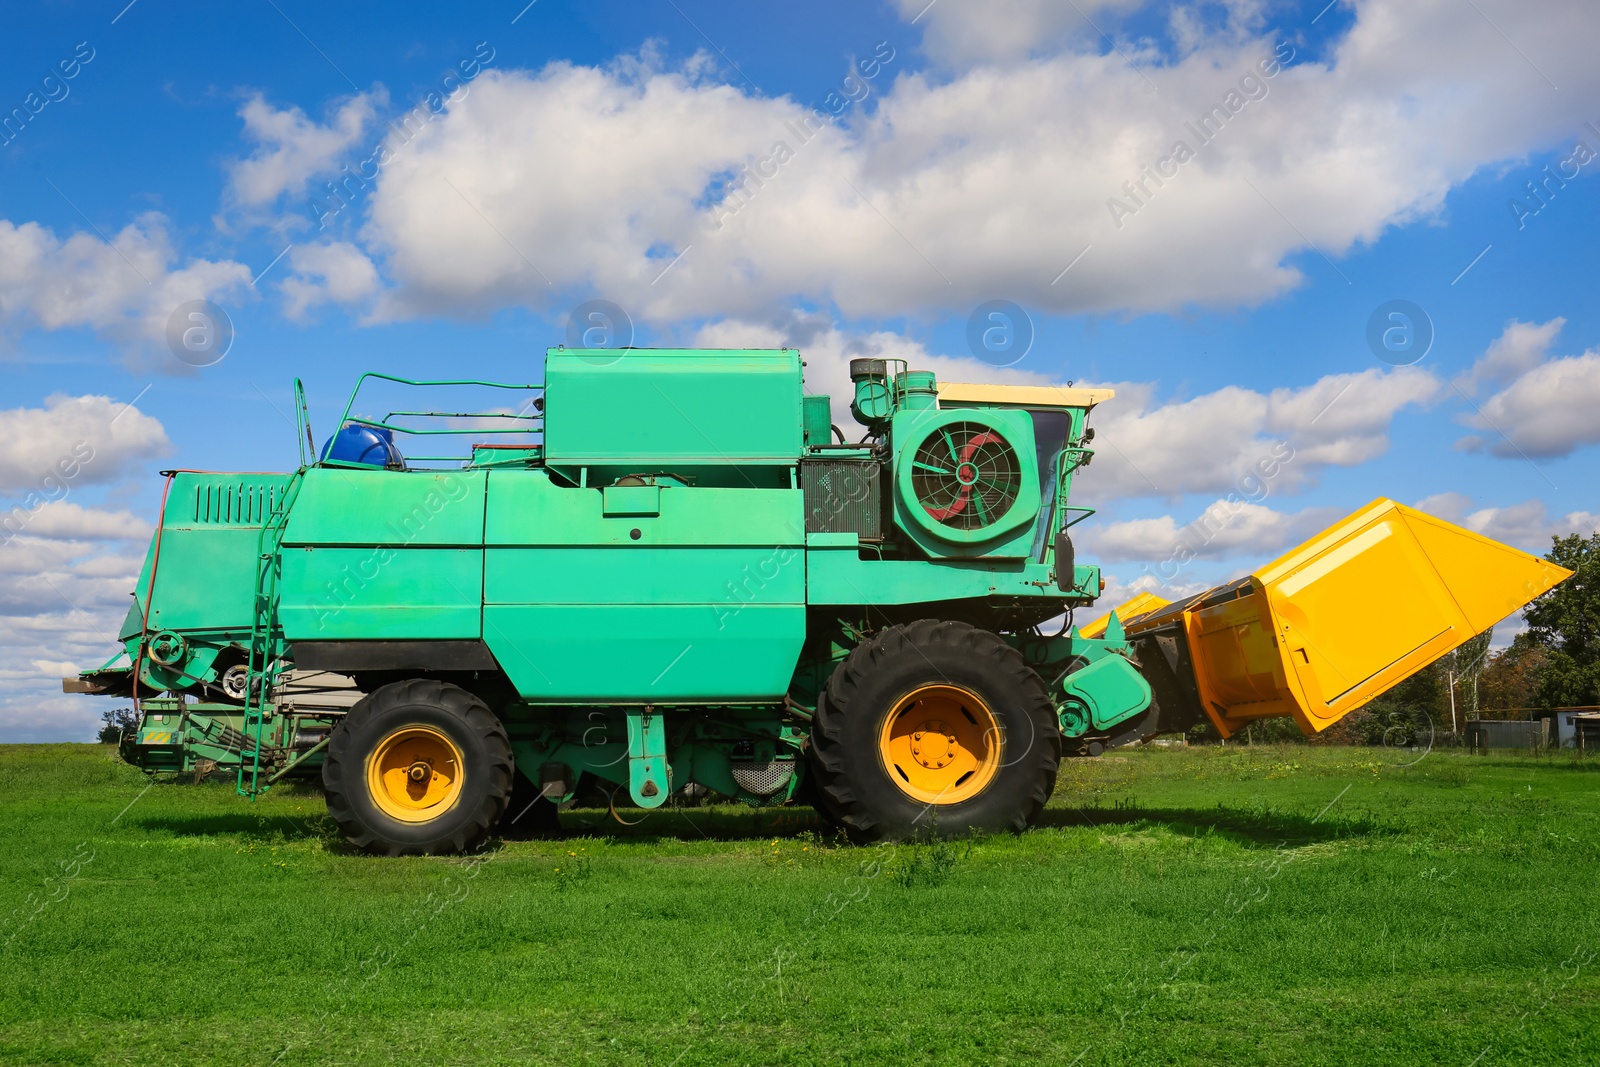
x=1565 y=622
x=114 y=722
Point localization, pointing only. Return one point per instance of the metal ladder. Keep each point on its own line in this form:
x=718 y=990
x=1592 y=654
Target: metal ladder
x=266 y=637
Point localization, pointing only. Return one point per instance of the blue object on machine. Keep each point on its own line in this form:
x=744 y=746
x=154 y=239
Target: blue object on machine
x=366 y=446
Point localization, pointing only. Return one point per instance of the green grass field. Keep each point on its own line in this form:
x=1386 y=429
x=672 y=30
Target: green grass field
x=1289 y=904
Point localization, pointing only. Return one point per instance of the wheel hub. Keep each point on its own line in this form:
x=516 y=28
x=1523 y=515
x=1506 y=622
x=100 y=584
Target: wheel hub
x=415 y=774
x=940 y=744
x=933 y=745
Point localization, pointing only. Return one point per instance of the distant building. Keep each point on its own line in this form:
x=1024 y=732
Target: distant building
x=1576 y=728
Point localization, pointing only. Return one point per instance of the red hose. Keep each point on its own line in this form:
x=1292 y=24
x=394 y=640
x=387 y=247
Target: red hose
x=150 y=595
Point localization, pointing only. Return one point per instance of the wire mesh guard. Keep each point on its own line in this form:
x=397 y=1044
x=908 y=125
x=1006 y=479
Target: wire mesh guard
x=763 y=779
x=965 y=475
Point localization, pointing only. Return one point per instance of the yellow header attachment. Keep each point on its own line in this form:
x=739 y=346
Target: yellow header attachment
x=1335 y=622
x=1022 y=396
x=1142 y=604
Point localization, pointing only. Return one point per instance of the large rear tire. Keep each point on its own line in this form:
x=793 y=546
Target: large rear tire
x=933 y=728
x=418 y=767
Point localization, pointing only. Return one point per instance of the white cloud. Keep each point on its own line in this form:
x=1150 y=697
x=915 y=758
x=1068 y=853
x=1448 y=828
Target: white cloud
x=65 y=521
x=61 y=604
x=965 y=32
x=66 y=570
x=1242 y=441
x=1120 y=589
x=827 y=350
x=125 y=290
x=71 y=441
x=1545 y=406
x=1224 y=530
x=337 y=272
x=292 y=149
x=1546 y=411
x=1527 y=525
x=1520 y=347
x=940 y=192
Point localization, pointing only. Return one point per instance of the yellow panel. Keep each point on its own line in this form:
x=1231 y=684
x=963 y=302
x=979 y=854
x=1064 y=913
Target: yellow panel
x=1022 y=396
x=1488 y=580
x=1360 y=607
x=1237 y=657
x=1134 y=608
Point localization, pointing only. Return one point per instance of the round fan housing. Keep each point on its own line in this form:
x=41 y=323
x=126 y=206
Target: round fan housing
x=968 y=475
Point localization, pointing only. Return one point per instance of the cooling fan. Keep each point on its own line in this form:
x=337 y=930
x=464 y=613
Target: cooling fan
x=967 y=475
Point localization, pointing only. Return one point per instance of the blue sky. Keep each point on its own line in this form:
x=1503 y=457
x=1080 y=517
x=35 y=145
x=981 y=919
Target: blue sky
x=1370 y=152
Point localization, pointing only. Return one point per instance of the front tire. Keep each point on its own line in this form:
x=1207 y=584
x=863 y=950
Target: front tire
x=933 y=727
x=418 y=767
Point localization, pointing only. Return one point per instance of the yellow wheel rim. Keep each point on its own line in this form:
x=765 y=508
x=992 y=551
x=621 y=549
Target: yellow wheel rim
x=415 y=774
x=941 y=744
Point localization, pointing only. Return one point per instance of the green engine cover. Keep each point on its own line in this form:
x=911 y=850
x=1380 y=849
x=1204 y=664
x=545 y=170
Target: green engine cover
x=671 y=408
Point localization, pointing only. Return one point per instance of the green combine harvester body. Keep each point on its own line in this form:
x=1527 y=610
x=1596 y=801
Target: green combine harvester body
x=678 y=576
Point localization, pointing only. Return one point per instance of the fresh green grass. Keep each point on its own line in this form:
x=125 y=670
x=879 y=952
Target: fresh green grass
x=1291 y=905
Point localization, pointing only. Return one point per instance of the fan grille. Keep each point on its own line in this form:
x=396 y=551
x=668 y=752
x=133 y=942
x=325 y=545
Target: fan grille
x=965 y=476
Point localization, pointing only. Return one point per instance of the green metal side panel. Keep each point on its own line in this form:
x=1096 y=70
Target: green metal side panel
x=526 y=508
x=671 y=407
x=210 y=532
x=638 y=654
x=707 y=604
x=381 y=593
x=355 y=507
x=205 y=580
x=384 y=555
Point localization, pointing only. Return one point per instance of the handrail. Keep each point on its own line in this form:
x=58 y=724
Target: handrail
x=534 y=421
x=418 y=382
x=465 y=432
x=302 y=415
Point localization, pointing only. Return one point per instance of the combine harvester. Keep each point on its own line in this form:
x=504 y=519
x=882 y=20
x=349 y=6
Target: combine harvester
x=684 y=575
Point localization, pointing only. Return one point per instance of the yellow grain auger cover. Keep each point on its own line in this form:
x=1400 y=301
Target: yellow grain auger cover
x=1333 y=623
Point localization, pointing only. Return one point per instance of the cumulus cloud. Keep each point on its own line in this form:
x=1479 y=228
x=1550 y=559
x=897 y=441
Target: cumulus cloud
x=337 y=271
x=1527 y=525
x=40 y=649
x=678 y=196
x=291 y=149
x=1224 y=530
x=961 y=33
x=1520 y=347
x=124 y=290
x=61 y=602
x=72 y=441
x=66 y=569
x=1243 y=441
x=66 y=521
x=828 y=349
x=1545 y=406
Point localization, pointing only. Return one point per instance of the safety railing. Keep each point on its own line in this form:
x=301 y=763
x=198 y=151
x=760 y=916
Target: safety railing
x=526 y=421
